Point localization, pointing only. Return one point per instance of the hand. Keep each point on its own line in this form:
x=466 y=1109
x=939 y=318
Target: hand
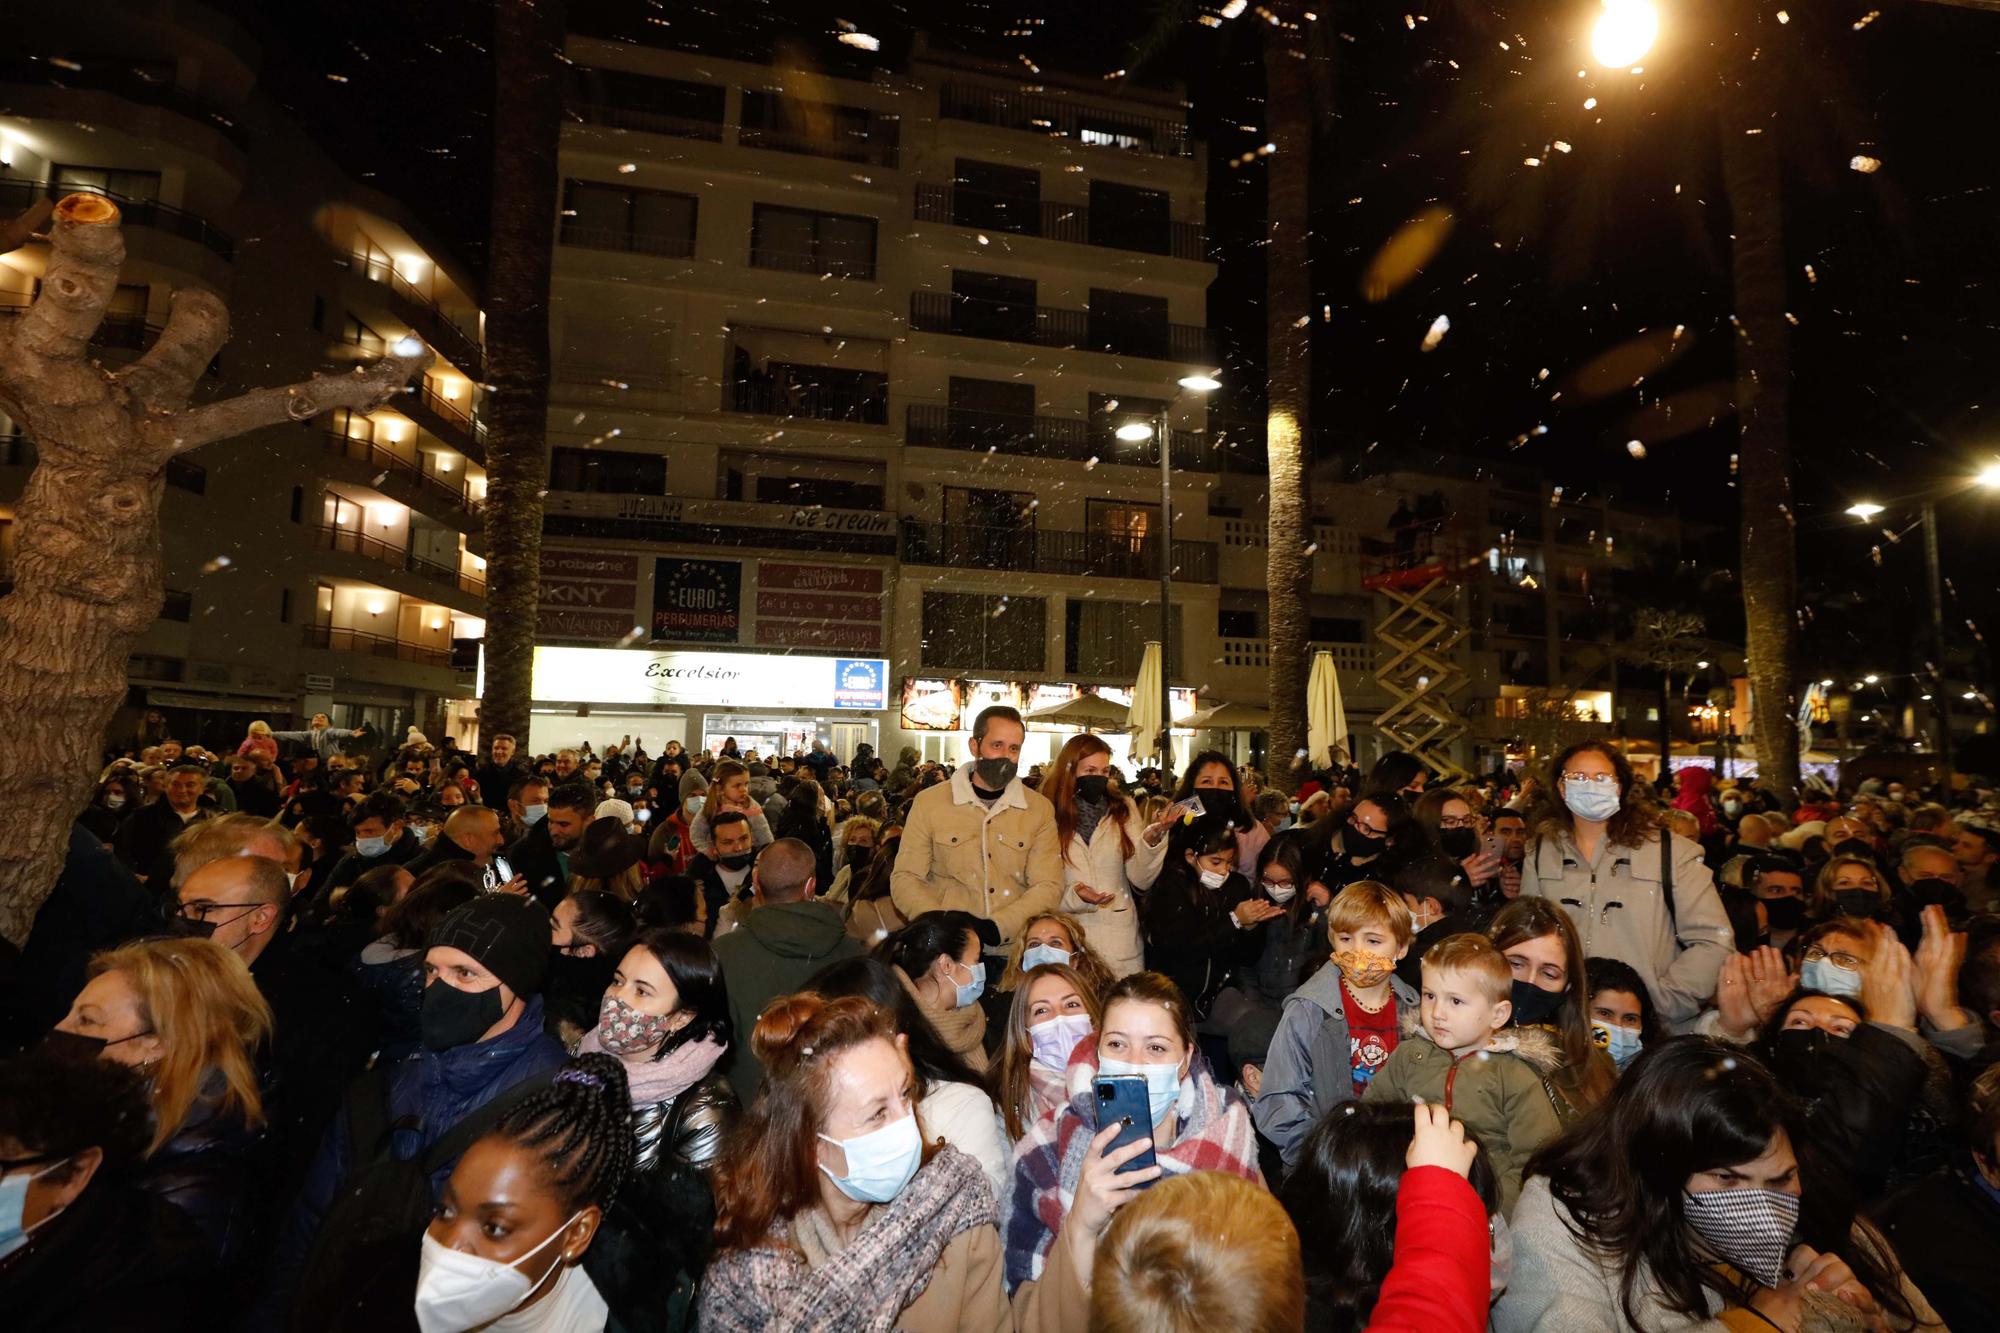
x=1480 y=867
x=1256 y=911
x=1100 y=1190
x=518 y=886
x=1510 y=880
x=1252 y=1079
x=1830 y=1273
x=356 y=732
x=1440 y=1141
x=1888 y=984
x=1732 y=998
x=1939 y=955
x=1095 y=897
x=1318 y=894
x=1770 y=982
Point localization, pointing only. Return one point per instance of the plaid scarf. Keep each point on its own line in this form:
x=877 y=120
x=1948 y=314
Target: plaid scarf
x=863 y=1288
x=1213 y=1132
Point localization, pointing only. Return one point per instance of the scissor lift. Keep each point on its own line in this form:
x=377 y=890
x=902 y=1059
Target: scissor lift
x=1419 y=575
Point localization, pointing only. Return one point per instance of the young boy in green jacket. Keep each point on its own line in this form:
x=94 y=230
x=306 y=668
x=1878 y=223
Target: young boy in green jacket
x=1488 y=1079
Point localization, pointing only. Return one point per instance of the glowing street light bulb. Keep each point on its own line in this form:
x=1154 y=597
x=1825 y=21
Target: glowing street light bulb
x=1871 y=680
x=1209 y=384
x=1132 y=432
x=1864 y=510
x=1624 y=32
x=1989 y=476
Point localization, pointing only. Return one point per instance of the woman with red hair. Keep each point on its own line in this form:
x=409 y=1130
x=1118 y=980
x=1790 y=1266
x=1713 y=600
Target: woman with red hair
x=1107 y=855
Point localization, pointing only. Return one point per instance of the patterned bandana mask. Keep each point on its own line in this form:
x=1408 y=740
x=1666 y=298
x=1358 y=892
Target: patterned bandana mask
x=1750 y=1228
x=623 y=1030
x=1362 y=967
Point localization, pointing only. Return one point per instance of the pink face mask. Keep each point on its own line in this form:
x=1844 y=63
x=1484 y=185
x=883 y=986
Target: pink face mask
x=623 y=1030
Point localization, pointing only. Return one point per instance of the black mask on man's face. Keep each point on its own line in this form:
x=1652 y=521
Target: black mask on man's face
x=736 y=860
x=1933 y=892
x=1854 y=847
x=994 y=774
x=452 y=1017
x=1785 y=913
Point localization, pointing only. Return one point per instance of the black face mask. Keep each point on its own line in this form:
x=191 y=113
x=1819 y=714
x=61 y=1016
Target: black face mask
x=1218 y=800
x=452 y=1017
x=736 y=860
x=185 y=928
x=994 y=774
x=1857 y=902
x=1360 y=843
x=1458 y=843
x=1854 y=847
x=1785 y=913
x=1093 y=788
x=1534 y=1005
x=1935 y=892
x=859 y=857
x=76 y=1046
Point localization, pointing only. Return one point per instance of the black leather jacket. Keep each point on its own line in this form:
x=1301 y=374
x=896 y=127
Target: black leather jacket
x=688 y=1130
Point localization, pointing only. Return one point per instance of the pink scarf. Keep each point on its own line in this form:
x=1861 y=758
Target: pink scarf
x=655 y=1081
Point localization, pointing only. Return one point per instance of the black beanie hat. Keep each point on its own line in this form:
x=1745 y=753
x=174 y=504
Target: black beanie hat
x=504 y=933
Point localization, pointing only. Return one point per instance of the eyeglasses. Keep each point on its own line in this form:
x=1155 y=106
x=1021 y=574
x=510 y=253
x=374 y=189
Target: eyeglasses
x=1360 y=827
x=1597 y=779
x=1846 y=962
x=1452 y=821
x=199 y=909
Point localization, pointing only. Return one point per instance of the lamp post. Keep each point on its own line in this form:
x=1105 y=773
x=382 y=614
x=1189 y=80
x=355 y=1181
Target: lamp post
x=1162 y=434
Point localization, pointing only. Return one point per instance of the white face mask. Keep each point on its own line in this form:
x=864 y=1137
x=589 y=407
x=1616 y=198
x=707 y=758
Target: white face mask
x=1281 y=893
x=1214 y=879
x=458 y=1291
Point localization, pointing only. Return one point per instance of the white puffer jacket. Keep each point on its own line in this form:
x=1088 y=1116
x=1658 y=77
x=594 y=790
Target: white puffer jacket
x=1113 y=927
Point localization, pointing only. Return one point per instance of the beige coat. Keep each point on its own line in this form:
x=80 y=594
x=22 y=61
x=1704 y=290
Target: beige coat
x=1113 y=928
x=1000 y=864
x=965 y=1294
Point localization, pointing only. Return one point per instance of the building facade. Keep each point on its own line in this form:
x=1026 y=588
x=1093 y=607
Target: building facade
x=323 y=566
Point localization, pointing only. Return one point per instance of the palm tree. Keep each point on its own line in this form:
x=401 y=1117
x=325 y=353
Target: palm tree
x=527 y=116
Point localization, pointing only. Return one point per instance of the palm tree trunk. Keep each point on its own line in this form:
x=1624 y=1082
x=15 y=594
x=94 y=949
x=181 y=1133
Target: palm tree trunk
x=1288 y=106
x=1751 y=176
x=527 y=125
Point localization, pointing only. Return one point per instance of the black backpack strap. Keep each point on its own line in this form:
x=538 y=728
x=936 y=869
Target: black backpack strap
x=1667 y=882
x=451 y=1145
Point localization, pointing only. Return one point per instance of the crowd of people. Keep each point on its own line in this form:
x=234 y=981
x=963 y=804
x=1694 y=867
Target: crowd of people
x=320 y=1035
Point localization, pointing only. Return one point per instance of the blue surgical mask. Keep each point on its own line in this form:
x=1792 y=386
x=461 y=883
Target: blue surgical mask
x=14 y=1202
x=371 y=847
x=970 y=991
x=1036 y=955
x=1595 y=801
x=1163 y=1083
x=1823 y=974
x=1054 y=1038
x=534 y=814
x=881 y=1163
x=1620 y=1043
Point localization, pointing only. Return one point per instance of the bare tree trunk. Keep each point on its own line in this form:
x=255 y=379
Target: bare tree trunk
x=1763 y=407
x=527 y=127
x=87 y=553
x=1288 y=107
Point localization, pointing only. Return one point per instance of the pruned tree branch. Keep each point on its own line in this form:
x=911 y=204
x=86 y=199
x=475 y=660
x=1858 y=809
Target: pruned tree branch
x=164 y=378
x=86 y=252
x=22 y=228
x=365 y=390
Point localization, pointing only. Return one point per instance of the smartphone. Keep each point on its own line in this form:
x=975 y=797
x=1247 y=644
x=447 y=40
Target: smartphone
x=499 y=873
x=1496 y=846
x=1123 y=1098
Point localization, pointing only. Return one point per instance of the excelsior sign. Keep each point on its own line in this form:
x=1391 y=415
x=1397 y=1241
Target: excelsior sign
x=734 y=680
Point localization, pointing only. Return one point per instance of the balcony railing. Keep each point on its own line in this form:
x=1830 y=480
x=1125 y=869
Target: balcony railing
x=1058 y=118
x=374 y=645
x=122 y=81
x=817 y=402
x=1047 y=326
x=355 y=543
x=1038 y=551
x=454 y=493
x=937 y=426
x=665 y=246
x=651 y=122
x=820 y=262
x=17 y=195
x=961 y=207
x=812 y=145
x=1355 y=657
x=428 y=318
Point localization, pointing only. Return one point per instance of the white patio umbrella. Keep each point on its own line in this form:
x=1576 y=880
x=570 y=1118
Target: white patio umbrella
x=1326 y=717
x=1149 y=712
x=1089 y=711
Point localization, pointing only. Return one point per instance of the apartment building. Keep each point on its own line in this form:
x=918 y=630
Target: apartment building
x=323 y=566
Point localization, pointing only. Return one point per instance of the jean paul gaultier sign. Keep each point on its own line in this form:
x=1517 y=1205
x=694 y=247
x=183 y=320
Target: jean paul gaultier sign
x=721 y=513
x=735 y=680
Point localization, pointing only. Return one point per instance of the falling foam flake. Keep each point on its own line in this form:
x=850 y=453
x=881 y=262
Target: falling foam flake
x=1439 y=327
x=1864 y=164
x=1636 y=448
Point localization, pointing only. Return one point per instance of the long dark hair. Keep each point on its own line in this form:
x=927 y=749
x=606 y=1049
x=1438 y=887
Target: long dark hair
x=875 y=981
x=691 y=965
x=1288 y=849
x=925 y=939
x=1638 y=816
x=1241 y=816
x=1342 y=1193
x=1688 y=1105
x=1586 y=1073
x=880 y=871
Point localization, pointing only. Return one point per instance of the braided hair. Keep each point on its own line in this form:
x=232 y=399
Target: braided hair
x=581 y=1127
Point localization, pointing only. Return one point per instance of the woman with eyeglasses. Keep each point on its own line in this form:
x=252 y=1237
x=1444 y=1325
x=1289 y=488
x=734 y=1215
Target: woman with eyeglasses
x=1634 y=891
x=1447 y=818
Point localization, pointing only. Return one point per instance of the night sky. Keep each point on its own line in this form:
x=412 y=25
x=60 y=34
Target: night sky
x=1599 y=249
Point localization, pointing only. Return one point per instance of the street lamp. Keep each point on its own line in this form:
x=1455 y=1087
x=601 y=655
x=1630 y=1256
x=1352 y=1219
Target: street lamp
x=1941 y=705
x=1864 y=511
x=1160 y=431
x=1624 y=32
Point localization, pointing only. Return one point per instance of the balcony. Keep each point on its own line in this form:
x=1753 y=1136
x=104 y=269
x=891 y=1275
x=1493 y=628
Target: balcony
x=426 y=317
x=660 y=245
x=446 y=418
x=1037 y=551
x=960 y=207
x=1357 y=658
x=1047 y=326
x=1072 y=439
x=349 y=541
x=127 y=84
x=428 y=486
x=17 y=195
x=339 y=640
x=815 y=402
x=648 y=122
x=1058 y=118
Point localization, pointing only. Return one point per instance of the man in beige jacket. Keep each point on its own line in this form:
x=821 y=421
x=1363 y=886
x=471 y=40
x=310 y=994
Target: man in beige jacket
x=982 y=843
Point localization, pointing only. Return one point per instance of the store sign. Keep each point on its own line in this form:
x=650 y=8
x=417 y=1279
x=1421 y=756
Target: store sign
x=732 y=680
x=931 y=705
x=819 y=606
x=721 y=513
x=587 y=594
x=697 y=600
x=950 y=705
